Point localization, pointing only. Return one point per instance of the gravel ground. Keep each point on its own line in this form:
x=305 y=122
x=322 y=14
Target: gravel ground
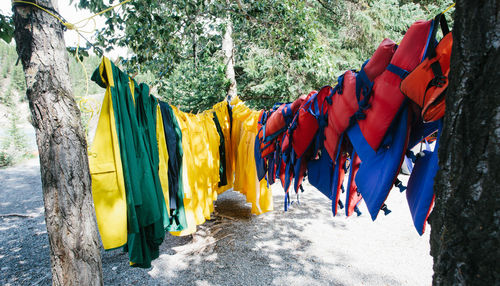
x=303 y=246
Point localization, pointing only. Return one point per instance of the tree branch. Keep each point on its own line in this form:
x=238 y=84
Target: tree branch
x=327 y=7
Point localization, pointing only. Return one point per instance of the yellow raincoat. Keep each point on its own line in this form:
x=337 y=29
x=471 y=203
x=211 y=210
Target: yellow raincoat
x=221 y=110
x=108 y=187
x=246 y=182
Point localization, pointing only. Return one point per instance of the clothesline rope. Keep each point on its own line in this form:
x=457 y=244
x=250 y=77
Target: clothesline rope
x=70 y=26
x=448 y=9
x=76 y=26
x=83 y=103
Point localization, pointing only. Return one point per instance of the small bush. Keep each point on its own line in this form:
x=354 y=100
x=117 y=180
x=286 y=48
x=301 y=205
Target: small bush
x=6 y=159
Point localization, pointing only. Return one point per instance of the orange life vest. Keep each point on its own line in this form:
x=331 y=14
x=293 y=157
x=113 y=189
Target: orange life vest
x=426 y=85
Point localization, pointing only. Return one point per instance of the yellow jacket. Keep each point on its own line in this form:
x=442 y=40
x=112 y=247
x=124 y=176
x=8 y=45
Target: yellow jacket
x=245 y=124
x=221 y=110
x=163 y=162
x=189 y=203
x=108 y=187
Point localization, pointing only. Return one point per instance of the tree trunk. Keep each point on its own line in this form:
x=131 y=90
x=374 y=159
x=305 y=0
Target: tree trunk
x=69 y=212
x=465 y=237
x=228 y=49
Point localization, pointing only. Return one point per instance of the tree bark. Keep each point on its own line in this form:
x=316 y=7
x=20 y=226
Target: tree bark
x=465 y=237
x=228 y=49
x=69 y=212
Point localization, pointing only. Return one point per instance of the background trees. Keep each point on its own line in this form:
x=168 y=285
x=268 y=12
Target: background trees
x=281 y=48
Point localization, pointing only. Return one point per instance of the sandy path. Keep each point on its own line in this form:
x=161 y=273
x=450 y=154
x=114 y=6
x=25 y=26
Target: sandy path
x=304 y=246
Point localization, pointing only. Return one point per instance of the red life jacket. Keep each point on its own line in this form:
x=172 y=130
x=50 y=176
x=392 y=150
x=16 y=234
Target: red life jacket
x=353 y=197
x=286 y=144
x=343 y=106
x=345 y=101
x=386 y=98
x=310 y=116
x=287 y=162
x=266 y=139
x=338 y=180
x=274 y=122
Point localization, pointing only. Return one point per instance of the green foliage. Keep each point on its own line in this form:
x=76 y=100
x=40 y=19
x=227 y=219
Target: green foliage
x=14 y=145
x=282 y=48
x=18 y=80
x=82 y=52
x=6 y=98
x=17 y=138
x=6 y=66
x=161 y=34
x=77 y=75
x=196 y=88
x=6 y=159
x=6 y=28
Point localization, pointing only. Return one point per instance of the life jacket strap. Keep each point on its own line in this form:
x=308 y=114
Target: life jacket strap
x=358 y=212
x=402 y=73
x=301 y=188
x=341 y=205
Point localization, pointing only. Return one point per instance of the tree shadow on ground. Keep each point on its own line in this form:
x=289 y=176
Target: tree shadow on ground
x=296 y=247
x=238 y=248
x=24 y=245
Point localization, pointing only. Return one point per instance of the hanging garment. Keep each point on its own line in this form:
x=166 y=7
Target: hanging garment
x=222 y=153
x=352 y=94
x=272 y=125
x=379 y=170
x=239 y=115
x=163 y=164
x=201 y=162
x=307 y=136
x=426 y=85
x=353 y=197
x=274 y=122
x=146 y=107
x=108 y=186
x=187 y=168
x=338 y=175
x=260 y=163
x=311 y=118
x=213 y=163
x=243 y=139
x=320 y=172
x=195 y=158
x=386 y=100
x=144 y=195
x=420 y=192
x=221 y=109
x=343 y=105
x=173 y=141
x=200 y=147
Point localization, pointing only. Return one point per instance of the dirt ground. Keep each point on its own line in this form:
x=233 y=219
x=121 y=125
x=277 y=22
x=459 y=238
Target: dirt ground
x=303 y=246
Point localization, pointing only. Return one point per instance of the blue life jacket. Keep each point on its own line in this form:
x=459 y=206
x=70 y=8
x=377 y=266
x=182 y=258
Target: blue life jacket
x=420 y=192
